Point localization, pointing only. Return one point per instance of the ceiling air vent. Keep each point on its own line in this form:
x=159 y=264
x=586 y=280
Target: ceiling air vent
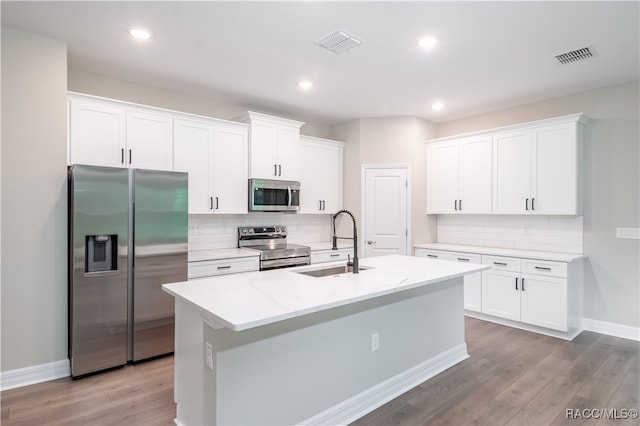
x=339 y=42
x=574 y=55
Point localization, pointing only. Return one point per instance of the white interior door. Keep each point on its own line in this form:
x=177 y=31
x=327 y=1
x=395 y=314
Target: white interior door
x=385 y=211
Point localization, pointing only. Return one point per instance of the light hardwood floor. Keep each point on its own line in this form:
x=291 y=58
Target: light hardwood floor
x=512 y=377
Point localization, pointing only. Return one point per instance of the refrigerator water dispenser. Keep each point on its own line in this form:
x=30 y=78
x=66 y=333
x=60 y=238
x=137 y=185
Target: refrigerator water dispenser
x=101 y=253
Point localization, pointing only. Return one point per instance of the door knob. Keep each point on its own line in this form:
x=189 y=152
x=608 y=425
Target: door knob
x=370 y=242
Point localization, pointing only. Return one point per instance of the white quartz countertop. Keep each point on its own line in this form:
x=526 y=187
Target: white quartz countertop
x=218 y=254
x=529 y=254
x=252 y=299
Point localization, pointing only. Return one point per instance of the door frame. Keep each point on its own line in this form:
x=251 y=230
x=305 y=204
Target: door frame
x=363 y=192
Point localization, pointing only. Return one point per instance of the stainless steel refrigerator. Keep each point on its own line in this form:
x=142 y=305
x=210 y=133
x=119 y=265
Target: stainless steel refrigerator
x=127 y=237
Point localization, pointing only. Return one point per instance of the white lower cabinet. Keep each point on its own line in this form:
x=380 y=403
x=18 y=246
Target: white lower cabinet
x=209 y=268
x=472 y=282
x=322 y=256
x=538 y=299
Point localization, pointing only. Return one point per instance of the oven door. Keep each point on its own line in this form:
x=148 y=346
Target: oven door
x=273 y=195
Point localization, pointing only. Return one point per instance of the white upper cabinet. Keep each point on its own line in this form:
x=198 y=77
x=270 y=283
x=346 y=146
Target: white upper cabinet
x=321 y=176
x=193 y=154
x=149 y=140
x=215 y=156
x=537 y=170
x=274 y=146
x=110 y=133
x=230 y=169
x=459 y=176
x=96 y=133
x=530 y=168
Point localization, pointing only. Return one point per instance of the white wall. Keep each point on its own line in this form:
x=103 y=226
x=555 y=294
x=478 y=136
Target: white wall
x=393 y=140
x=612 y=190
x=34 y=200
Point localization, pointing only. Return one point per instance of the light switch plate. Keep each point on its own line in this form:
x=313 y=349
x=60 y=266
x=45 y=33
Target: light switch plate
x=628 y=233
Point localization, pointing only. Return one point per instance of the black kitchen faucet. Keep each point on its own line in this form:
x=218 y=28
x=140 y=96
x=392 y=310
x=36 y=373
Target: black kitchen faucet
x=354 y=238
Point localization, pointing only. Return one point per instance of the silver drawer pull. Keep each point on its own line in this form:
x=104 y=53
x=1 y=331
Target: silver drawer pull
x=432 y=255
x=540 y=268
x=462 y=259
x=500 y=263
x=224 y=267
x=335 y=255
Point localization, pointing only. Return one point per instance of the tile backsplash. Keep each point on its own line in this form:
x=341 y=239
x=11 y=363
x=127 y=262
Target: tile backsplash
x=542 y=233
x=208 y=232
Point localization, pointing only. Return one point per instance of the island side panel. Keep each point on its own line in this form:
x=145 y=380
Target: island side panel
x=188 y=365
x=296 y=370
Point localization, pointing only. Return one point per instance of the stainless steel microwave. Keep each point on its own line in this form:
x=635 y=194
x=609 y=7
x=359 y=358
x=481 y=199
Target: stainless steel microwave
x=270 y=195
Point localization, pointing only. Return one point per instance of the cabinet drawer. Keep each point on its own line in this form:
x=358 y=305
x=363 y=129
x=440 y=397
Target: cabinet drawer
x=431 y=254
x=330 y=255
x=210 y=268
x=502 y=263
x=544 y=267
x=464 y=257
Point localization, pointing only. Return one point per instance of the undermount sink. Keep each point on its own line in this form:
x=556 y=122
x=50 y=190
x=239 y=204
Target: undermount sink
x=334 y=270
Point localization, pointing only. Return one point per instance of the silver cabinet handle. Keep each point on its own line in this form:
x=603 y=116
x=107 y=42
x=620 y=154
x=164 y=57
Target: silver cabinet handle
x=275 y=170
x=460 y=204
x=279 y=169
x=217 y=204
x=516 y=283
x=523 y=284
x=462 y=259
x=455 y=204
x=122 y=155
x=533 y=205
x=435 y=256
x=540 y=268
x=224 y=267
x=210 y=203
x=130 y=156
x=334 y=255
x=370 y=242
x=500 y=263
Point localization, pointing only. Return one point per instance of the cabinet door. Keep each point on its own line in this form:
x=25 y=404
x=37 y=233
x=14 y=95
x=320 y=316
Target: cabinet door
x=554 y=174
x=263 y=151
x=443 y=177
x=149 y=140
x=96 y=133
x=288 y=153
x=544 y=301
x=193 y=154
x=472 y=282
x=512 y=172
x=321 y=177
x=230 y=170
x=500 y=297
x=475 y=175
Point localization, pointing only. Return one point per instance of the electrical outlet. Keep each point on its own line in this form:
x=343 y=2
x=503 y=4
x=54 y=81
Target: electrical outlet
x=375 y=342
x=209 y=355
x=628 y=233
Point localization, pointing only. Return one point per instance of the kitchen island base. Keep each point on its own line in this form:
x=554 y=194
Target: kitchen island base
x=318 y=368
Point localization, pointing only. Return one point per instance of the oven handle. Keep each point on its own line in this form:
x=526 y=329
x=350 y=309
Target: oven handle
x=288 y=196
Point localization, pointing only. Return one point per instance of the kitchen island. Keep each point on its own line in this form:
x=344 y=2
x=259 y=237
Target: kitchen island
x=282 y=347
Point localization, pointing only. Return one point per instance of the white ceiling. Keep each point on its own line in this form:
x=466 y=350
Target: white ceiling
x=490 y=55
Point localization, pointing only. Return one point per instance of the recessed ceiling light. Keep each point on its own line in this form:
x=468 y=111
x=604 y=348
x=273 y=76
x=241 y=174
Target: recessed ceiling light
x=437 y=106
x=139 y=33
x=427 y=42
x=305 y=84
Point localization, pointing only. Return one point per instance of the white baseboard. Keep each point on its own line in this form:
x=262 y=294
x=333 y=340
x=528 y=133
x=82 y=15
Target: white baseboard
x=354 y=408
x=19 y=377
x=611 y=329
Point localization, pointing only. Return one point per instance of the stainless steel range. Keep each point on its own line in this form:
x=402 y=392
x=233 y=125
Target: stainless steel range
x=271 y=242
